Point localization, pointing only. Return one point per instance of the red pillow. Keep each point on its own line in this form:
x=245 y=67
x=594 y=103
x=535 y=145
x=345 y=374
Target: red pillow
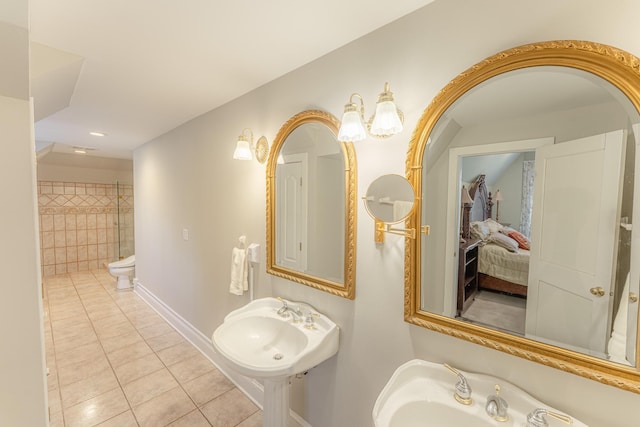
x=523 y=242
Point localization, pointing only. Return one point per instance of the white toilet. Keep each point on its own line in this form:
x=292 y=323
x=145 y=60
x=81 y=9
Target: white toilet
x=123 y=271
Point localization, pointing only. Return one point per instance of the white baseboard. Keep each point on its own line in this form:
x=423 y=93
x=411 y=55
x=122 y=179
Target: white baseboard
x=249 y=386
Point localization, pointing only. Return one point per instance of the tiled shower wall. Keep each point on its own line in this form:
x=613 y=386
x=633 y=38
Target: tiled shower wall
x=79 y=225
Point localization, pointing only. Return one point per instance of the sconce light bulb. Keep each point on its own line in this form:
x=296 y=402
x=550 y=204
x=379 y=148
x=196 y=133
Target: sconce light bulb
x=352 y=129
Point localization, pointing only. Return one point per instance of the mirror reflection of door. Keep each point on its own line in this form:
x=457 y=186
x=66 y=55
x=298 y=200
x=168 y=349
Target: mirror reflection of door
x=291 y=204
x=577 y=195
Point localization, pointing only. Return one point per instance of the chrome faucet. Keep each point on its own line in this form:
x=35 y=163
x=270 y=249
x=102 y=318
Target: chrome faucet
x=497 y=407
x=285 y=311
x=463 y=392
x=536 y=417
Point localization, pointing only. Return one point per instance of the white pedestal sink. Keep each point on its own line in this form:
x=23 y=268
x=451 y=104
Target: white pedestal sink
x=258 y=342
x=420 y=390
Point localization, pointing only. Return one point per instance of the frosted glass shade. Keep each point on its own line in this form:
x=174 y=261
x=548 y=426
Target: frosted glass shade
x=386 y=121
x=243 y=151
x=352 y=129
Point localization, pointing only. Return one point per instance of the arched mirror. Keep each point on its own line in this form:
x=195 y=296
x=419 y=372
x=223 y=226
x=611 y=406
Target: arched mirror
x=525 y=167
x=311 y=205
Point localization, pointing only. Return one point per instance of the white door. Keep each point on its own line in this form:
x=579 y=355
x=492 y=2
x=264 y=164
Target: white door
x=634 y=274
x=291 y=218
x=574 y=234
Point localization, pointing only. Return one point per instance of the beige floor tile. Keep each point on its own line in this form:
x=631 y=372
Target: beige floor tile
x=81 y=370
x=114 y=343
x=129 y=353
x=126 y=419
x=192 y=419
x=155 y=329
x=230 y=409
x=149 y=386
x=62 y=312
x=191 y=368
x=255 y=420
x=71 y=322
x=96 y=313
x=176 y=353
x=90 y=351
x=99 y=409
x=207 y=387
x=165 y=340
x=55 y=419
x=164 y=409
x=137 y=368
x=140 y=319
x=61 y=334
x=74 y=342
x=87 y=388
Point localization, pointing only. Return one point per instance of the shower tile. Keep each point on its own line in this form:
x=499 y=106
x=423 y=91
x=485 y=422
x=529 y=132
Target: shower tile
x=72 y=267
x=61 y=256
x=48 y=239
x=102 y=235
x=49 y=270
x=72 y=254
x=58 y=189
x=69 y=188
x=70 y=221
x=91 y=221
x=48 y=256
x=82 y=252
x=101 y=221
x=60 y=239
x=46 y=222
x=81 y=221
x=59 y=222
x=92 y=252
x=71 y=237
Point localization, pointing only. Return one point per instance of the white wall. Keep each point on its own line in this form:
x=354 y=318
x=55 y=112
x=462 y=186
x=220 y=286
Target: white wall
x=22 y=384
x=48 y=172
x=187 y=178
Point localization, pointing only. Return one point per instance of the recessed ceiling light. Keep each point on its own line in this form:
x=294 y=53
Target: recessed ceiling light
x=80 y=151
x=97 y=133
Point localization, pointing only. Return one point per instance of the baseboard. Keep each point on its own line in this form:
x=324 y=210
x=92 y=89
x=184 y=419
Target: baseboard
x=250 y=387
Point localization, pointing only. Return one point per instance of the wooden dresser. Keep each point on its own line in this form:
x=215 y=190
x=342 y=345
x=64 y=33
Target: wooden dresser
x=467 y=274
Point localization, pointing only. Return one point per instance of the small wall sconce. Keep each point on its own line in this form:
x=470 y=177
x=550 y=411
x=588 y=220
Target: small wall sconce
x=245 y=148
x=498 y=198
x=386 y=121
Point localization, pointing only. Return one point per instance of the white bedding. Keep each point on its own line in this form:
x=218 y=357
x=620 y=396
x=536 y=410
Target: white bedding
x=498 y=262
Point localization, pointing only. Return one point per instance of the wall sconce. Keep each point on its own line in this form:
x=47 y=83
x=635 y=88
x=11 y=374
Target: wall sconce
x=386 y=121
x=498 y=198
x=245 y=147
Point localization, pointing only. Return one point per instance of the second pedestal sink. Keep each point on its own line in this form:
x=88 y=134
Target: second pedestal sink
x=420 y=390
x=272 y=339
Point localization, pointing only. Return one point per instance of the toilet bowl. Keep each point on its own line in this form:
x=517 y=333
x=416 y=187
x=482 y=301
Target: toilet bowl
x=123 y=271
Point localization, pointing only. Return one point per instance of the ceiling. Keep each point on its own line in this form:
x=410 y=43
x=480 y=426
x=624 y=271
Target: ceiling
x=137 y=69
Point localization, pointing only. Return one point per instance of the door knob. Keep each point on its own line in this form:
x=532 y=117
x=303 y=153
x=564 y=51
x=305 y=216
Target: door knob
x=633 y=297
x=599 y=292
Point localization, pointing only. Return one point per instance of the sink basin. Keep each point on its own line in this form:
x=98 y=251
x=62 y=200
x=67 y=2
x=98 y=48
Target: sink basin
x=257 y=342
x=420 y=390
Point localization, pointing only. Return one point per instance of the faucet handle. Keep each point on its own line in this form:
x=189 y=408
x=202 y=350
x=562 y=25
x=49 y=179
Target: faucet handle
x=497 y=407
x=463 y=391
x=536 y=417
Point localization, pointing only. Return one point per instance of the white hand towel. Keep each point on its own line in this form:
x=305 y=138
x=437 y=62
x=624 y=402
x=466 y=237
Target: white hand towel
x=239 y=282
x=401 y=209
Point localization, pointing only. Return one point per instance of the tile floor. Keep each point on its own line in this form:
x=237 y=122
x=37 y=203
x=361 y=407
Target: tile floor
x=113 y=361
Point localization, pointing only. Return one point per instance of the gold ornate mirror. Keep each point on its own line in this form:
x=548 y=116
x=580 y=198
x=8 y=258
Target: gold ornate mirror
x=524 y=167
x=311 y=205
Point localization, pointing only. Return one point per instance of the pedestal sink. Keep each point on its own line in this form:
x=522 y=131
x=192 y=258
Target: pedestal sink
x=263 y=340
x=421 y=391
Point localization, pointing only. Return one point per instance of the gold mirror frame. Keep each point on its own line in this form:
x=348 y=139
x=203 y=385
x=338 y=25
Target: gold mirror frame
x=348 y=289
x=616 y=66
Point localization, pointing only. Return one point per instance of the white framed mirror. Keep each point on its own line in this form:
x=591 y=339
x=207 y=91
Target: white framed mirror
x=552 y=129
x=311 y=205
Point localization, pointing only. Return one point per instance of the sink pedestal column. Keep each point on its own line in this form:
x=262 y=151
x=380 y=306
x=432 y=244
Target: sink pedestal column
x=276 y=402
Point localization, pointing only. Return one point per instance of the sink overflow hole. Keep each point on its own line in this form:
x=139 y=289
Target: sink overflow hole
x=278 y=356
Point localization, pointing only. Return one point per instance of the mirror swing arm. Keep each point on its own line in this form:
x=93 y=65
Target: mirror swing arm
x=615 y=66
